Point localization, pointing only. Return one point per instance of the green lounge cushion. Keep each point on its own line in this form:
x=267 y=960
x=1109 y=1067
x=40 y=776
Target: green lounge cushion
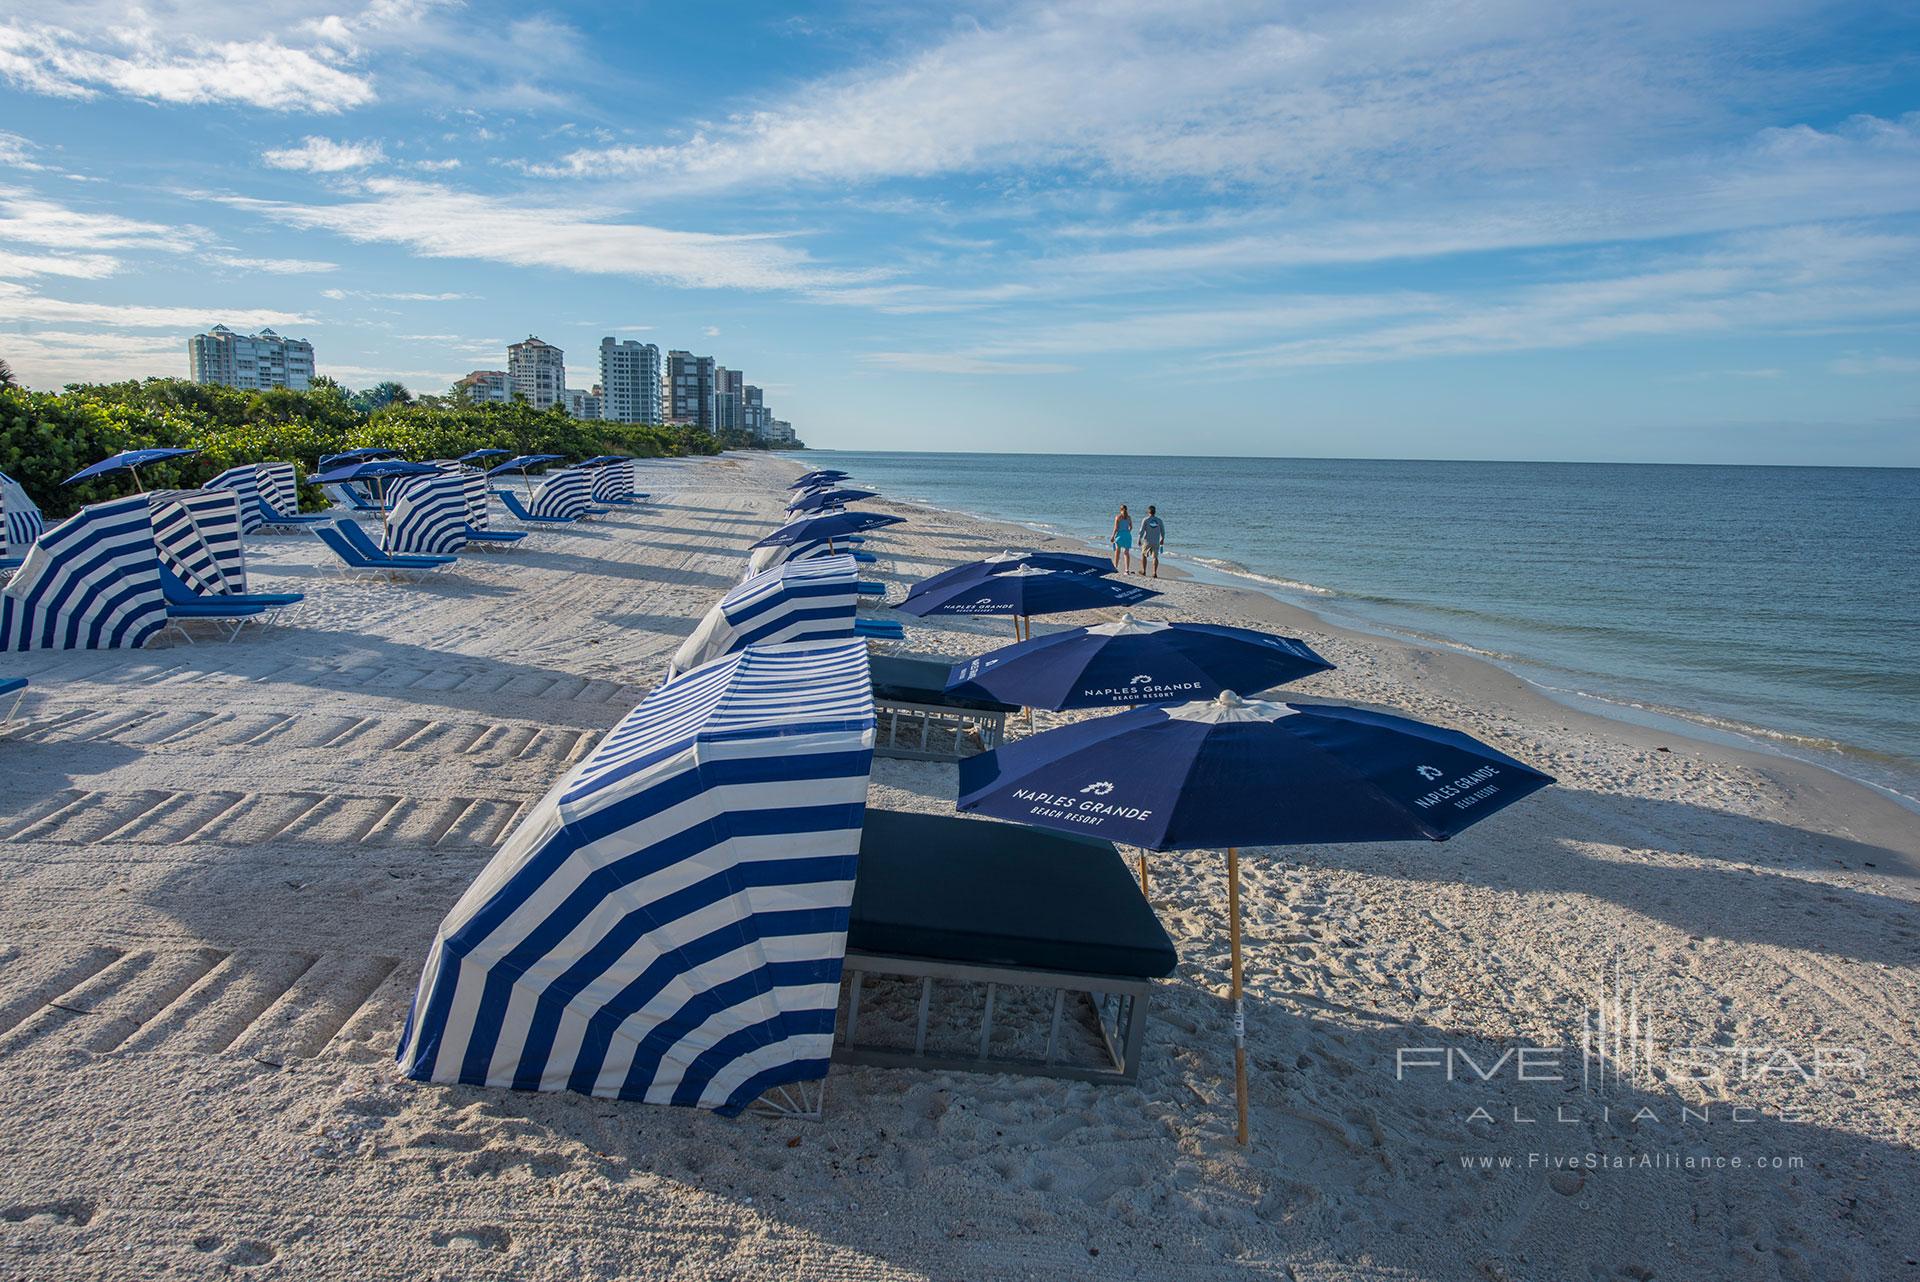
x=996 y=894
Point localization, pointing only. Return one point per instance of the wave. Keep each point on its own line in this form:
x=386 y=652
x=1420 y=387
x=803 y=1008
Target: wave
x=1240 y=571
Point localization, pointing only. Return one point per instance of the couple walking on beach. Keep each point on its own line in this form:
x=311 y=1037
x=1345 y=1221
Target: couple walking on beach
x=1153 y=535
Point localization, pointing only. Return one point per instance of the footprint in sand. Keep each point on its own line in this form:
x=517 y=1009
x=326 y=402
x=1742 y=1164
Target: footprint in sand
x=72 y=1210
x=250 y=1255
x=485 y=1237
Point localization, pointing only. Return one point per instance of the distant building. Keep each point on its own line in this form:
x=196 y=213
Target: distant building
x=538 y=372
x=729 y=399
x=780 y=432
x=754 y=417
x=630 y=379
x=686 y=389
x=251 y=361
x=485 y=386
x=585 y=404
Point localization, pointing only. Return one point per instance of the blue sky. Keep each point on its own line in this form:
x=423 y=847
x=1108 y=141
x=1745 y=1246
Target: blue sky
x=1659 y=231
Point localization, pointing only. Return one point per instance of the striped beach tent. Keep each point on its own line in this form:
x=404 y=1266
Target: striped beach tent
x=812 y=600
x=91 y=582
x=760 y=560
x=244 y=481
x=669 y=923
x=20 y=519
x=614 y=481
x=279 y=486
x=196 y=534
x=473 y=489
x=426 y=513
x=567 y=493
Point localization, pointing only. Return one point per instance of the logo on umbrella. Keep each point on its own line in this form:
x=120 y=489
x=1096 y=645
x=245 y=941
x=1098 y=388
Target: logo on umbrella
x=1428 y=772
x=1144 y=679
x=1099 y=789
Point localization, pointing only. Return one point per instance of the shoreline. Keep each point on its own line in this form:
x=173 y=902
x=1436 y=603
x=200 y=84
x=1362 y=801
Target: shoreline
x=1885 y=777
x=1844 y=806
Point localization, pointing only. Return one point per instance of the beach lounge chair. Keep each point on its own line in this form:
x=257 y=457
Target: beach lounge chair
x=518 y=511
x=939 y=899
x=484 y=539
x=361 y=554
x=272 y=518
x=184 y=605
x=867 y=587
x=880 y=629
x=918 y=720
x=12 y=691
x=351 y=497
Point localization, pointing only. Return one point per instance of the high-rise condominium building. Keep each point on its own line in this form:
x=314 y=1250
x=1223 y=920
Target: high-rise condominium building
x=754 y=415
x=538 y=371
x=630 y=381
x=585 y=404
x=687 y=389
x=729 y=396
x=486 y=385
x=253 y=361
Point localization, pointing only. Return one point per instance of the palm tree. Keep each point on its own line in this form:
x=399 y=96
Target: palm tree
x=6 y=376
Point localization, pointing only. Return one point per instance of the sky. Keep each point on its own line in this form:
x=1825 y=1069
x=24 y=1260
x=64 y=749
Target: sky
x=1646 y=231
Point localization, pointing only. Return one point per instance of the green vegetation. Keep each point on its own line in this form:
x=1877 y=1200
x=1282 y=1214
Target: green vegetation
x=46 y=437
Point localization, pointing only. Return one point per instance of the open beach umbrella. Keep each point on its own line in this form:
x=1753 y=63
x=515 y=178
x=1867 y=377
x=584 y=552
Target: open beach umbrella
x=358 y=455
x=1023 y=592
x=814 y=500
x=128 y=461
x=474 y=456
x=1134 y=662
x=601 y=460
x=1233 y=772
x=379 y=471
x=1001 y=562
x=520 y=464
x=831 y=526
x=811 y=479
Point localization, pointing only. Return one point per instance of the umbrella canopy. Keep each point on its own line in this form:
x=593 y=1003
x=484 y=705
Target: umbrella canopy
x=474 y=456
x=1024 y=591
x=521 y=463
x=127 y=461
x=833 y=525
x=361 y=454
x=373 y=470
x=811 y=479
x=1134 y=662
x=814 y=500
x=1232 y=772
x=1001 y=562
x=601 y=460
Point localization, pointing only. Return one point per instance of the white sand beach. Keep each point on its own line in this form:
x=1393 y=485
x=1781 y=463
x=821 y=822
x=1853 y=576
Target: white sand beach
x=223 y=865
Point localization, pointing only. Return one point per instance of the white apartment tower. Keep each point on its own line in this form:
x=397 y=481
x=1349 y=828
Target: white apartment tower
x=255 y=362
x=538 y=372
x=486 y=385
x=630 y=378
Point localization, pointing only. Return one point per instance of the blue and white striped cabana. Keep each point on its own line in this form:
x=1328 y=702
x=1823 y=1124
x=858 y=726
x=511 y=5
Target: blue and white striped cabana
x=20 y=519
x=566 y=493
x=811 y=600
x=244 y=481
x=426 y=514
x=760 y=560
x=91 y=582
x=615 y=481
x=279 y=486
x=473 y=488
x=196 y=534
x=669 y=923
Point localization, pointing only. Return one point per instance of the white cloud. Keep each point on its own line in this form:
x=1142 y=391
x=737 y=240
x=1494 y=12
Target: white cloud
x=28 y=218
x=50 y=359
x=318 y=155
x=22 y=303
x=17 y=152
x=1879 y=363
x=437 y=166
x=82 y=266
x=711 y=331
x=441 y=222
x=960 y=363
x=277 y=266
x=340 y=294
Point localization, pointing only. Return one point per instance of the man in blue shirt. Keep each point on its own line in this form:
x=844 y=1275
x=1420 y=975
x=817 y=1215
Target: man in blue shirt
x=1153 y=532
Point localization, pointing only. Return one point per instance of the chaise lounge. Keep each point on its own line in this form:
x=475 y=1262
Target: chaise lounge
x=358 y=552
x=940 y=899
x=917 y=719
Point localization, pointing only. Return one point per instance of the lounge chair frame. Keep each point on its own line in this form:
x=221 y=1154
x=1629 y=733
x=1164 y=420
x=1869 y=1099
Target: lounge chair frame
x=12 y=717
x=937 y=726
x=1120 y=1005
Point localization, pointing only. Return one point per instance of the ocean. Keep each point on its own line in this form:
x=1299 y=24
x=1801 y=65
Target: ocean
x=1776 y=605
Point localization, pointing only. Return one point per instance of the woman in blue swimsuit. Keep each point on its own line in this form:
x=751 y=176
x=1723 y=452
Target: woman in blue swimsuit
x=1123 y=539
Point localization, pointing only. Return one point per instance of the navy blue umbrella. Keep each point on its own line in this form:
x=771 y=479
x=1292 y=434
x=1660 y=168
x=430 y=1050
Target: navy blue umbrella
x=814 y=500
x=811 y=479
x=1134 y=662
x=600 y=460
x=833 y=525
x=357 y=455
x=128 y=461
x=1238 y=773
x=379 y=471
x=1023 y=592
x=520 y=464
x=474 y=456
x=1001 y=562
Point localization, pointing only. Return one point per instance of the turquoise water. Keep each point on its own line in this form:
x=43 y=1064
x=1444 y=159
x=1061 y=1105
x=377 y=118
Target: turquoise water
x=1782 y=604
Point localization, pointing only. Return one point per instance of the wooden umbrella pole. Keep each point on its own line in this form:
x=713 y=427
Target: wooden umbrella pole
x=1239 y=1010
x=1143 y=872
